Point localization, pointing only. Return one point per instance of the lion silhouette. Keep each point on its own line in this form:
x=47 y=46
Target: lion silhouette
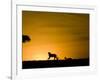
x=52 y=55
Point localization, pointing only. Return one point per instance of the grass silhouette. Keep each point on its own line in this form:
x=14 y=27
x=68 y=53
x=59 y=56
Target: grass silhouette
x=55 y=63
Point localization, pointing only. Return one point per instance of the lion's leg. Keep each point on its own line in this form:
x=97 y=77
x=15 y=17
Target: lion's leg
x=57 y=58
x=54 y=58
x=49 y=57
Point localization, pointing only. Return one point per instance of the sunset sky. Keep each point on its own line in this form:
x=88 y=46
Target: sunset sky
x=65 y=34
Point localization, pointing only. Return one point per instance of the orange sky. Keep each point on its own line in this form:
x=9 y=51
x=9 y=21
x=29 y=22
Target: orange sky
x=65 y=34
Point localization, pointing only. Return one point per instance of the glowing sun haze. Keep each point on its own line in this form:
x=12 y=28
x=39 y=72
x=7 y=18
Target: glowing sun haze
x=65 y=34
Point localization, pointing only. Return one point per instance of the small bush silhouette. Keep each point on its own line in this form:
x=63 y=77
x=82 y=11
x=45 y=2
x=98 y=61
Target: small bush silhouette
x=65 y=58
x=68 y=59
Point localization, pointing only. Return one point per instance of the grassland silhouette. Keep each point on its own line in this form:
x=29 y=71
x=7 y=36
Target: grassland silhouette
x=66 y=62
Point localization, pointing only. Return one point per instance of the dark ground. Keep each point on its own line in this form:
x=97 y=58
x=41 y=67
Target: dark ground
x=54 y=63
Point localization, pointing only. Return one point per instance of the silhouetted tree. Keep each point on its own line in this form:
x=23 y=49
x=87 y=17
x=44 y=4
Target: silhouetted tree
x=25 y=38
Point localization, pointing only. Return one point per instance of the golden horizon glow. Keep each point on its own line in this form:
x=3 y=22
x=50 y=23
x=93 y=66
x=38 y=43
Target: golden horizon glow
x=65 y=34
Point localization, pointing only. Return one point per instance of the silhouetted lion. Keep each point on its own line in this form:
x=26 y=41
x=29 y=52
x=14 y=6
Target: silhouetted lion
x=52 y=55
x=25 y=38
